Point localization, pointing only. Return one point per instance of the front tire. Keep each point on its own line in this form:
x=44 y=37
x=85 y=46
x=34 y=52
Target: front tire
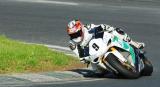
x=115 y=63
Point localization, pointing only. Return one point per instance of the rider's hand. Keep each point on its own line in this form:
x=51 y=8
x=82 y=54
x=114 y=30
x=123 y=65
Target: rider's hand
x=72 y=45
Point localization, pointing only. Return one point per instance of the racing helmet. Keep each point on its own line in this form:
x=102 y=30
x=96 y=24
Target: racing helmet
x=74 y=30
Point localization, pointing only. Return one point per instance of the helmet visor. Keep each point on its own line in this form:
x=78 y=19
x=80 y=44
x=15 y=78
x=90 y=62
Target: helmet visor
x=76 y=35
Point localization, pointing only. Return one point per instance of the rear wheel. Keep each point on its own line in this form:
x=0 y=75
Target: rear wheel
x=148 y=68
x=122 y=69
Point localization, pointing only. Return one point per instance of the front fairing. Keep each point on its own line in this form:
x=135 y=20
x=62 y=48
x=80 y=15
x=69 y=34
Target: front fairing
x=116 y=42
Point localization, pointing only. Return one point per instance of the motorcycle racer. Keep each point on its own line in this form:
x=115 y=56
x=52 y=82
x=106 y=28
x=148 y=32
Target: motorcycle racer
x=80 y=36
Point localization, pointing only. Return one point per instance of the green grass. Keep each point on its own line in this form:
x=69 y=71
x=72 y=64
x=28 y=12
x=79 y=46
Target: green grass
x=16 y=57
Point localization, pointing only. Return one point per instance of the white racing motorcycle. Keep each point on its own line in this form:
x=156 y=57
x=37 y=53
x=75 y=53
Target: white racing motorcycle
x=120 y=58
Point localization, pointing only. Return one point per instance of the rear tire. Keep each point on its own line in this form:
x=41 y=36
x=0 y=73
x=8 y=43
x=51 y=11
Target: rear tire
x=115 y=63
x=148 y=68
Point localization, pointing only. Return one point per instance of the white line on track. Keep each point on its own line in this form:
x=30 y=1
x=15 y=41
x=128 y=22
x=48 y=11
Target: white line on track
x=61 y=48
x=57 y=47
x=50 y=2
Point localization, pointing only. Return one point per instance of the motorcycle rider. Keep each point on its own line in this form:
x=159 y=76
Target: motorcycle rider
x=80 y=36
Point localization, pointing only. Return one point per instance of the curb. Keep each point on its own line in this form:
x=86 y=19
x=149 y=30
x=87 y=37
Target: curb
x=38 y=78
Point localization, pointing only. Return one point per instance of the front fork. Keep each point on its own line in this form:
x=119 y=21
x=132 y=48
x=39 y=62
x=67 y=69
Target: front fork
x=105 y=65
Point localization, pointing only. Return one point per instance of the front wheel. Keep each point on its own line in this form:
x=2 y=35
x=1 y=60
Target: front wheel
x=123 y=70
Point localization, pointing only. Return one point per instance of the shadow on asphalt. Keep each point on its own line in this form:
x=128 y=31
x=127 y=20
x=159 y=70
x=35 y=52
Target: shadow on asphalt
x=91 y=74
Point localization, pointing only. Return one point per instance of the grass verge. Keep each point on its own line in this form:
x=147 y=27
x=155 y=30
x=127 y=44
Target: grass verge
x=18 y=57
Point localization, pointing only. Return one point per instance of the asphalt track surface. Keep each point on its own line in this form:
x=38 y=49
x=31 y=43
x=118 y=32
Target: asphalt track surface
x=45 y=22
